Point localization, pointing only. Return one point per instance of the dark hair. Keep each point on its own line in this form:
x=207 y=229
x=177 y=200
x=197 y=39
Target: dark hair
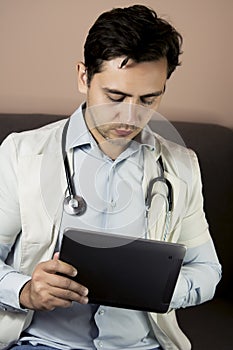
x=135 y=32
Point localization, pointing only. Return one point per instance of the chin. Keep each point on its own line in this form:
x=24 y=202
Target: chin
x=119 y=141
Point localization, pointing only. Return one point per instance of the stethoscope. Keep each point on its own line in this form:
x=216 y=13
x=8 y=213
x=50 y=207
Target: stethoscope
x=73 y=204
x=168 y=197
x=76 y=205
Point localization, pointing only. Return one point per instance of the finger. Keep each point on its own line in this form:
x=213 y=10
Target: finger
x=56 y=256
x=65 y=283
x=67 y=295
x=57 y=266
x=50 y=302
x=56 y=291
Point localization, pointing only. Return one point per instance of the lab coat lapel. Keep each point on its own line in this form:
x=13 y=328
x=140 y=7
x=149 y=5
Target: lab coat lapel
x=58 y=186
x=179 y=190
x=157 y=211
x=45 y=186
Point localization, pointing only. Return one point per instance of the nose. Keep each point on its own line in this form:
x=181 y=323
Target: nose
x=130 y=111
x=135 y=114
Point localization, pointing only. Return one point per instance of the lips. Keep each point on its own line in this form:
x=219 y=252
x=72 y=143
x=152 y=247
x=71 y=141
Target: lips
x=123 y=132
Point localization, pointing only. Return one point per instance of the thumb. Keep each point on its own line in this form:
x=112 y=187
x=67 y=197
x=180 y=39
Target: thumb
x=56 y=256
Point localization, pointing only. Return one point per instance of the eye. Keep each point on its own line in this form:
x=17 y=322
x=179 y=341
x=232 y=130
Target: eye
x=148 y=101
x=116 y=99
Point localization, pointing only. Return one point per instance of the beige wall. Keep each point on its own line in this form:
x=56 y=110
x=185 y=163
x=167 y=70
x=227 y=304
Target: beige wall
x=41 y=40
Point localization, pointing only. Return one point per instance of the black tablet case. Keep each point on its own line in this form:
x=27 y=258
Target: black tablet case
x=137 y=274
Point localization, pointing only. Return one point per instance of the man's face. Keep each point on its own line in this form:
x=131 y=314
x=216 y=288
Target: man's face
x=120 y=101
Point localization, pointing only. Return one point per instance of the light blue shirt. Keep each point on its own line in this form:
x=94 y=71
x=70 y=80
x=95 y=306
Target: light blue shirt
x=115 y=203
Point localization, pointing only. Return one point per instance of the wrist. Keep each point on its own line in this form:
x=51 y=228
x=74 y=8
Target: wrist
x=24 y=296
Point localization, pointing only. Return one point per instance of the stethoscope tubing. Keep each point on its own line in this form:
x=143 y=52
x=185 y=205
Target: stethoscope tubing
x=80 y=208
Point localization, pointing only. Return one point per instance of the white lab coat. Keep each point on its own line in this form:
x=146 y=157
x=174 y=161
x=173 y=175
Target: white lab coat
x=33 y=186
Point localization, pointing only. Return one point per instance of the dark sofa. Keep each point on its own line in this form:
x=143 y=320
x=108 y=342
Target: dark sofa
x=210 y=325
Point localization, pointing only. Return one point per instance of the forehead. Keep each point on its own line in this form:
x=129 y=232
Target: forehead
x=133 y=76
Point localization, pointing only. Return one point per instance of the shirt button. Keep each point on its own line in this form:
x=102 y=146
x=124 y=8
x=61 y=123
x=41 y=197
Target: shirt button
x=101 y=344
x=101 y=312
x=113 y=203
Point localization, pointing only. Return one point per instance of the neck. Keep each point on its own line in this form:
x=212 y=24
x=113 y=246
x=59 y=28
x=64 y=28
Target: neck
x=111 y=147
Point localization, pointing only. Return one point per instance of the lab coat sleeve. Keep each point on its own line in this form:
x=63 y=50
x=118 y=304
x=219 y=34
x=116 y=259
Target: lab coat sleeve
x=193 y=286
x=198 y=278
x=11 y=281
x=194 y=226
x=10 y=222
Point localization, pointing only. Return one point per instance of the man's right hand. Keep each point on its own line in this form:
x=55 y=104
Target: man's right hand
x=47 y=290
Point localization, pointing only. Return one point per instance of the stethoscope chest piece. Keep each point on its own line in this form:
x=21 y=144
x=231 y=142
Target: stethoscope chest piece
x=75 y=205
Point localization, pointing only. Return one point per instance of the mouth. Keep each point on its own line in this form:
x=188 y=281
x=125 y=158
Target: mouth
x=123 y=132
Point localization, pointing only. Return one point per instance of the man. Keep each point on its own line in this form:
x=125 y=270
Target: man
x=129 y=55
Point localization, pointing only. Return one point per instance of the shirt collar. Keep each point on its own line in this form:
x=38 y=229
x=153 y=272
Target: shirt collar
x=78 y=133
x=146 y=138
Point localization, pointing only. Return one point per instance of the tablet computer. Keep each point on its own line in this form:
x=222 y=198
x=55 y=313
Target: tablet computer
x=125 y=272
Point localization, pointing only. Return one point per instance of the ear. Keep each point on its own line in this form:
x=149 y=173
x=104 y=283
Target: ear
x=82 y=77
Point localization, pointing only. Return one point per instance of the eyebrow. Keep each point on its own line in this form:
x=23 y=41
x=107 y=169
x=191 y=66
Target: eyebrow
x=117 y=92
